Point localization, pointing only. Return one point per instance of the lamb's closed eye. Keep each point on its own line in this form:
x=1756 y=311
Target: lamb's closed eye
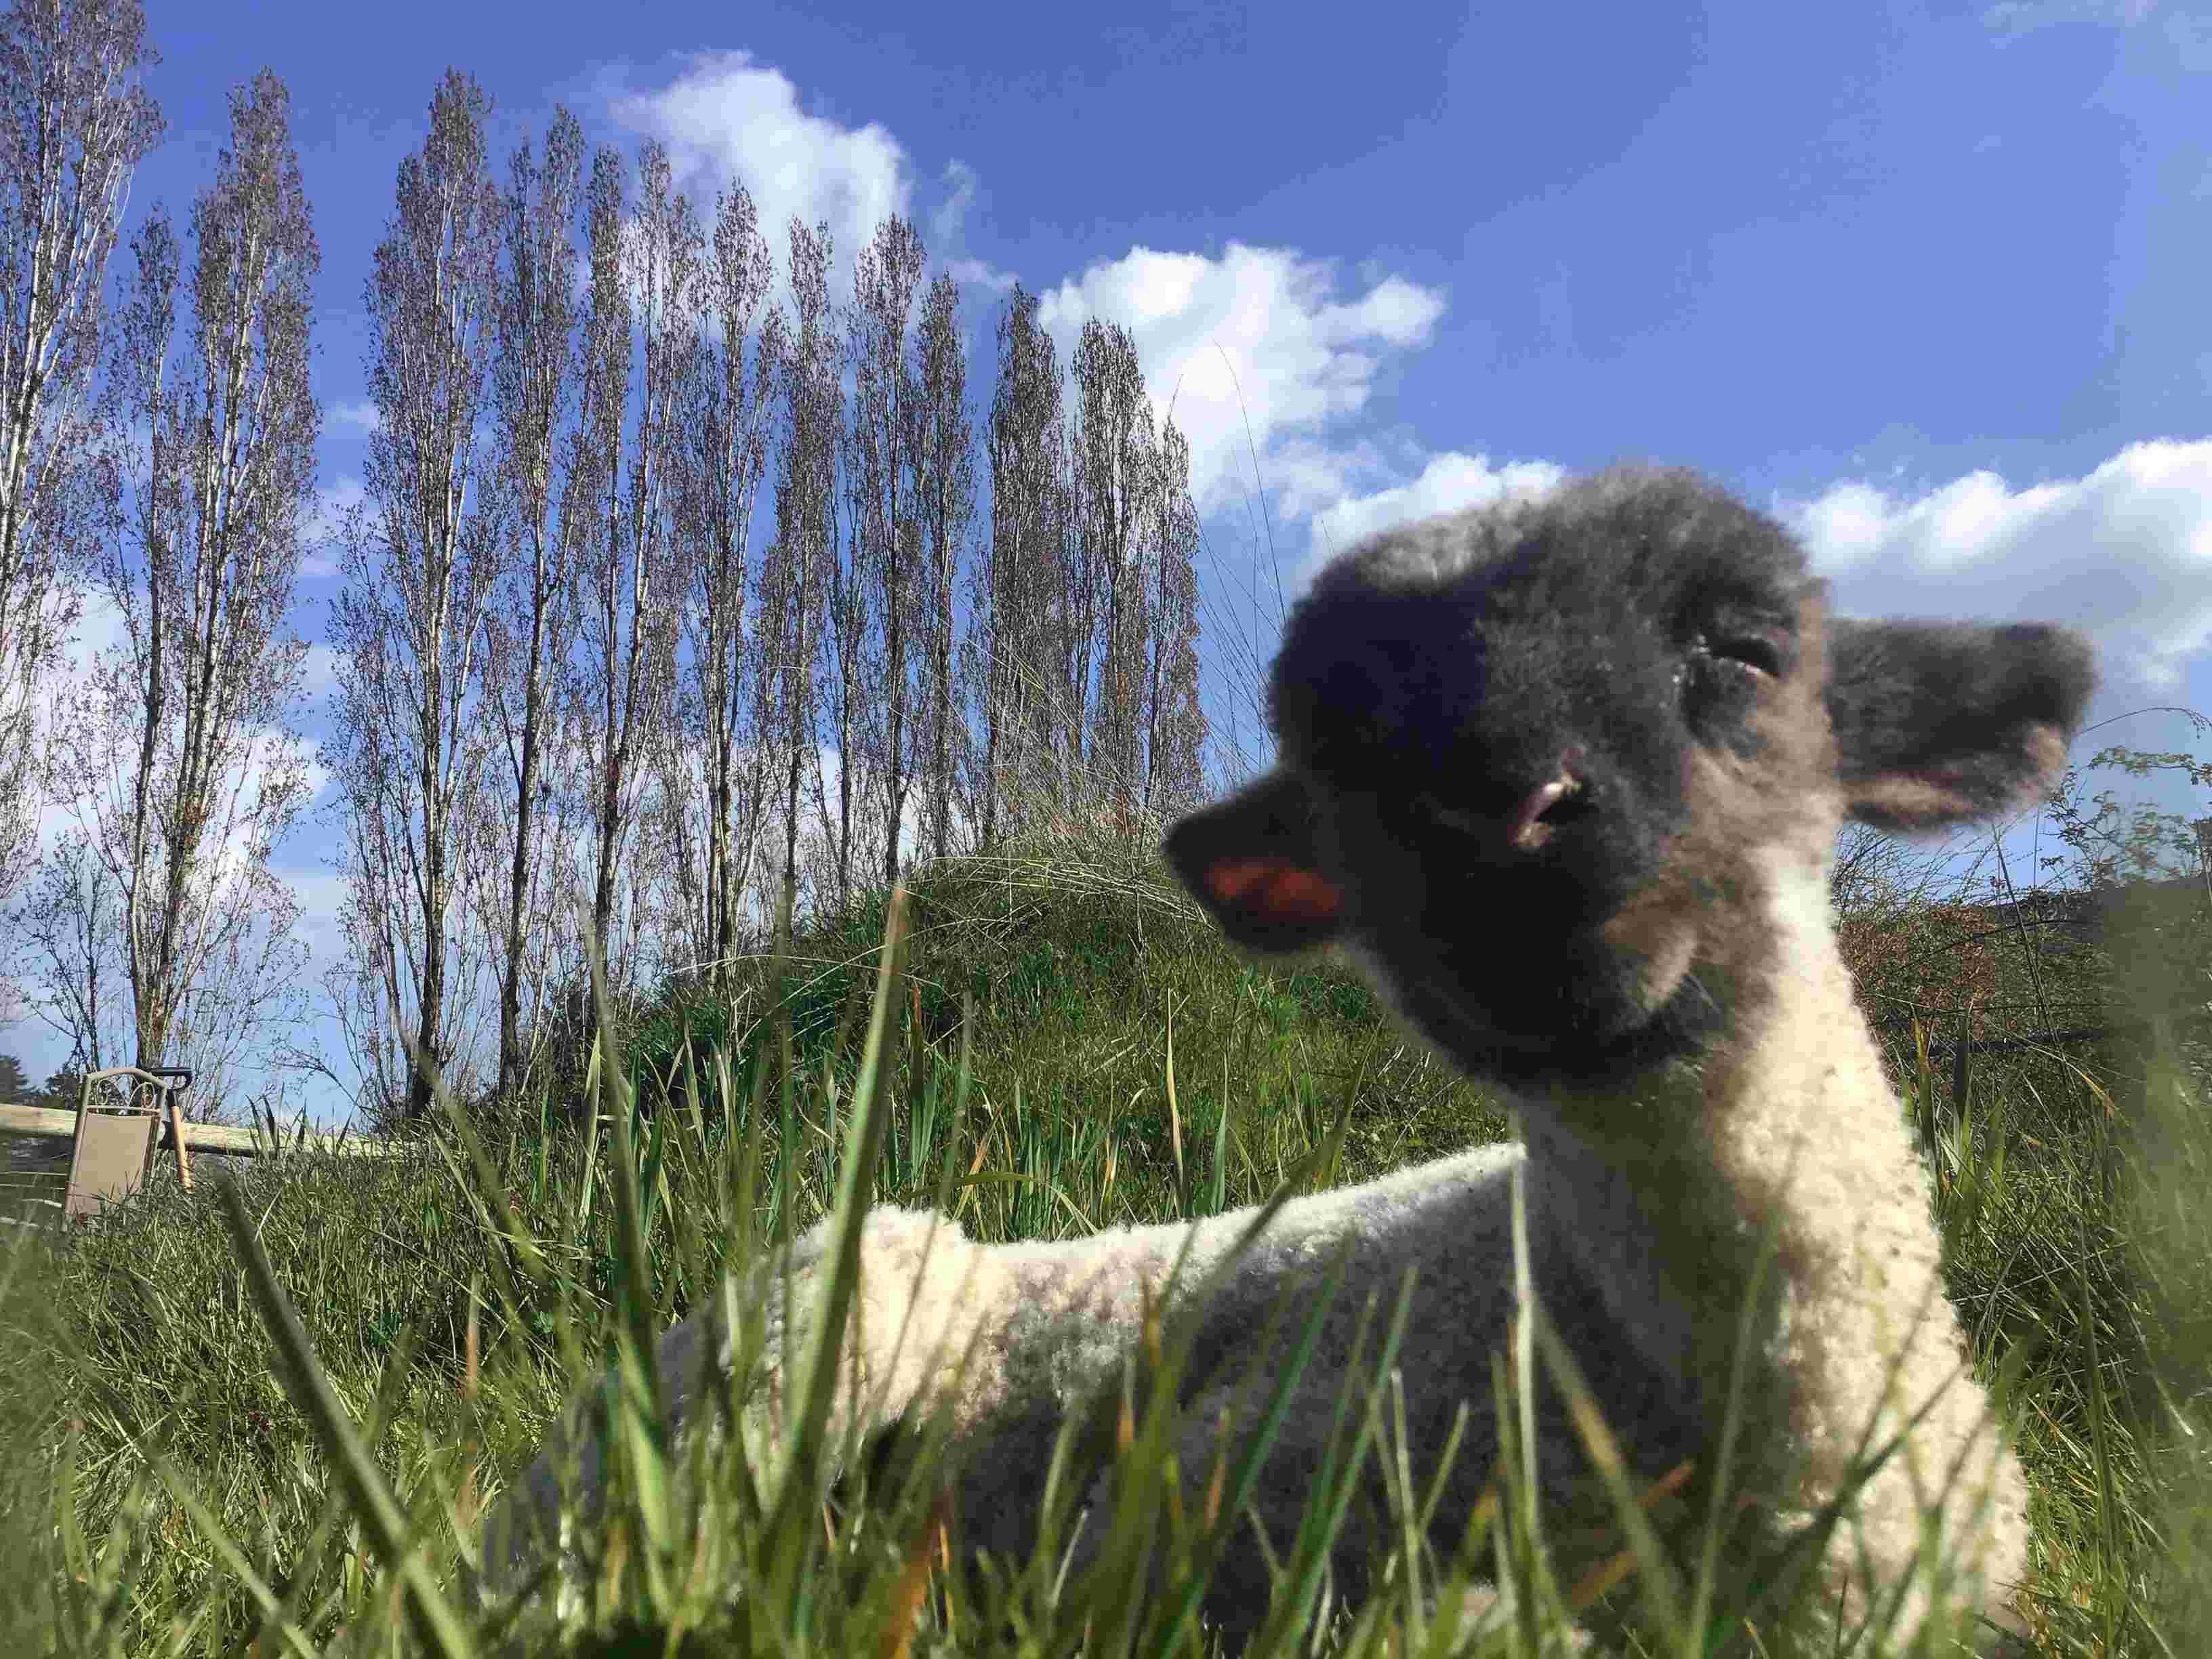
x=1580 y=847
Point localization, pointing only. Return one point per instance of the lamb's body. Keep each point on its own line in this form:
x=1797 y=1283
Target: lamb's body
x=1701 y=1089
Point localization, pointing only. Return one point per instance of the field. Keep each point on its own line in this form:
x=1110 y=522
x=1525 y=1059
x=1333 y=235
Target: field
x=1064 y=1045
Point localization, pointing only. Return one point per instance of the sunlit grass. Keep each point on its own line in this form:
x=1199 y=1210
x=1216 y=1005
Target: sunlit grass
x=274 y=1415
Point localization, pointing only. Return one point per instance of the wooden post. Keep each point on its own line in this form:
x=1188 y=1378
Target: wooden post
x=177 y=1134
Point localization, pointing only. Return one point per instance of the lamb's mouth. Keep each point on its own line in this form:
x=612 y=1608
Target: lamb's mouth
x=1642 y=1029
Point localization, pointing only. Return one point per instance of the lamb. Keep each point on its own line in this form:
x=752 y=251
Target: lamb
x=1562 y=779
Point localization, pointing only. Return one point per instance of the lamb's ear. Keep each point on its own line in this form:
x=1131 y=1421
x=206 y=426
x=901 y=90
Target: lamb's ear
x=1938 y=723
x=1249 y=861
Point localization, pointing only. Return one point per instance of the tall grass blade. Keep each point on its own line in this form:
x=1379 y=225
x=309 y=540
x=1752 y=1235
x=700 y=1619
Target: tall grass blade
x=437 y=1622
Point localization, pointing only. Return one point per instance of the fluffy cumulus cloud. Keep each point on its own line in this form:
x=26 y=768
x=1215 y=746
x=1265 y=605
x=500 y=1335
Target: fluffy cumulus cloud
x=2125 y=553
x=728 y=117
x=1259 y=349
x=1449 y=481
x=976 y=273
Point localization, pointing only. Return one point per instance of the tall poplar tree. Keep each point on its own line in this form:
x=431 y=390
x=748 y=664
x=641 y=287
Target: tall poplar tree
x=886 y=277
x=408 y=747
x=1018 y=586
x=640 y=310
x=805 y=531
x=727 y=439
x=75 y=119
x=1117 y=478
x=942 y=452
x=530 y=624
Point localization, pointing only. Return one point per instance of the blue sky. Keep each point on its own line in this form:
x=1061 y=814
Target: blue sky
x=1928 y=280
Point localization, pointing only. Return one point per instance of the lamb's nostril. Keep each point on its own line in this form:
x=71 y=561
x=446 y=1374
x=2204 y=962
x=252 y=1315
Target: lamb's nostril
x=1572 y=804
x=1541 y=814
x=1561 y=801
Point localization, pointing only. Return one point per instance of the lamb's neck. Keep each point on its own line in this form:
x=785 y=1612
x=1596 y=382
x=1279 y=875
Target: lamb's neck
x=1661 y=1195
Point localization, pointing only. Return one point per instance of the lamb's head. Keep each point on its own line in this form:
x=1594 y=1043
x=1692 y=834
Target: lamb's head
x=1543 y=764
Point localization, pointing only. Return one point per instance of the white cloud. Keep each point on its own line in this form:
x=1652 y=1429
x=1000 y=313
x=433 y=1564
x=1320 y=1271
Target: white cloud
x=1449 y=481
x=2125 y=553
x=99 y=630
x=1252 y=350
x=321 y=892
x=100 y=633
x=946 y=222
x=947 y=218
x=976 y=273
x=728 y=116
x=320 y=671
x=1258 y=346
x=358 y=416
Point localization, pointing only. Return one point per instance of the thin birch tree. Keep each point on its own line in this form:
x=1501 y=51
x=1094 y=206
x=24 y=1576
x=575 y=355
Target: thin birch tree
x=205 y=688
x=840 y=696
x=67 y=938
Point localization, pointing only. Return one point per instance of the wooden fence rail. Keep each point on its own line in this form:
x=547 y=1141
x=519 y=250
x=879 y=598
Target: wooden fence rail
x=46 y=1123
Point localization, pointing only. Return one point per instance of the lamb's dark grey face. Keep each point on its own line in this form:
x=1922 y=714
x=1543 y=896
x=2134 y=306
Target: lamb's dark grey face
x=1516 y=703
x=1540 y=768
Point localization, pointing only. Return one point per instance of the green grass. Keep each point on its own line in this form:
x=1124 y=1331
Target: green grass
x=1065 y=1045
